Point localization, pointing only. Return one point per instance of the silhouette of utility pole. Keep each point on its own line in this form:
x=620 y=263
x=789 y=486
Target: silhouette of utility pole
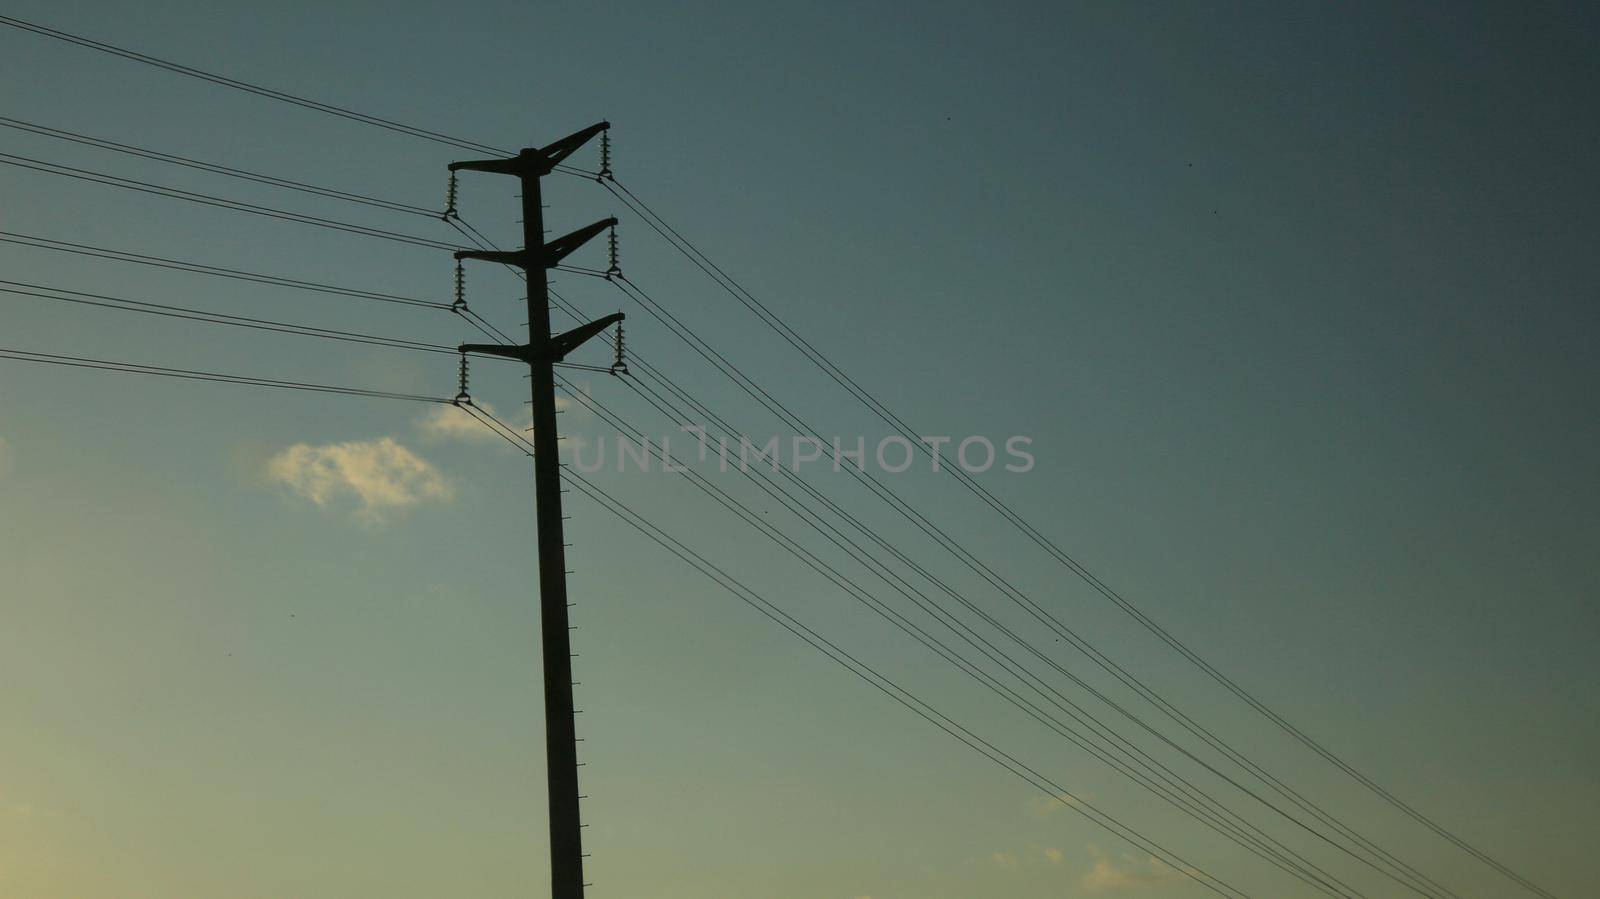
x=541 y=352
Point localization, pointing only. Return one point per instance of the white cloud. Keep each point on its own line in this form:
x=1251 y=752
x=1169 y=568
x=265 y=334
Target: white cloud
x=381 y=475
x=576 y=411
x=454 y=423
x=1109 y=876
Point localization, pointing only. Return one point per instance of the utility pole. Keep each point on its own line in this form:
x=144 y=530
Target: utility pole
x=541 y=352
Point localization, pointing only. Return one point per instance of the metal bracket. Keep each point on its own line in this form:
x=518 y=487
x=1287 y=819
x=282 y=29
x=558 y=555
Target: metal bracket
x=554 y=350
x=531 y=163
x=550 y=255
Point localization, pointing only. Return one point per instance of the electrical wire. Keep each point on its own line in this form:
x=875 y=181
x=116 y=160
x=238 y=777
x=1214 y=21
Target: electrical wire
x=678 y=415
x=124 y=304
x=248 y=87
x=840 y=656
x=1028 y=529
x=52 y=168
x=194 y=375
x=659 y=311
x=217 y=168
x=260 y=323
x=45 y=243
x=878 y=408
x=269 y=93
x=900 y=585
x=1151 y=774
x=105 y=301
x=1017 y=768
x=1386 y=864
x=467 y=315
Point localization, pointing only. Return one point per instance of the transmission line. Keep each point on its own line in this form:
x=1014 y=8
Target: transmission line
x=259 y=90
x=1182 y=794
x=1407 y=876
x=1388 y=865
x=479 y=323
x=901 y=586
x=246 y=86
x=217 y=168
x=840 y=656
x=837 y=374
x=105 y=301
x=258 y=324
x=873 y=405
x=45 y=243
x=52 y=168
x=971 y=739
x=194 y=375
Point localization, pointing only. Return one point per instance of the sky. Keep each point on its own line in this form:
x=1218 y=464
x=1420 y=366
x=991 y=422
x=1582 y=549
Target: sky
x=1295 y=303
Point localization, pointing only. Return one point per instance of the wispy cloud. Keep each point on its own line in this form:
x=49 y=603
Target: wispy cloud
x=453 y=423
x=381 y=475
x=1128 y=873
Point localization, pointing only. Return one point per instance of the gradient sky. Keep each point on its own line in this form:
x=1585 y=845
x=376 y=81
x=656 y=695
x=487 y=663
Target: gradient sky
x=1297 y=303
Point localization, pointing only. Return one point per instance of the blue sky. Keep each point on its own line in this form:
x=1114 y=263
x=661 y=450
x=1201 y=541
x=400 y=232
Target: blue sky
x=1295 y=302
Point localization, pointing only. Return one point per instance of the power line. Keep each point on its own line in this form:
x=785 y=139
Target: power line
x=1387 y=863
x=259 y=324
x=105 y=301
x=1019 y=769
x=878 y=408
x=259 y=90
x=1182 y=793
x=28 y=240
x=762 y=396
x=194 y=375
x=872 y=403
x=217 y=168
x=52 y=168
x=1032 y=681
x=922 y=709
x=45 y=243
x=1406 y=875
x=883 y=684
x=471 y=318
x=924 y=637
x=901 y=586
x=674 y=324
x=248 y=87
